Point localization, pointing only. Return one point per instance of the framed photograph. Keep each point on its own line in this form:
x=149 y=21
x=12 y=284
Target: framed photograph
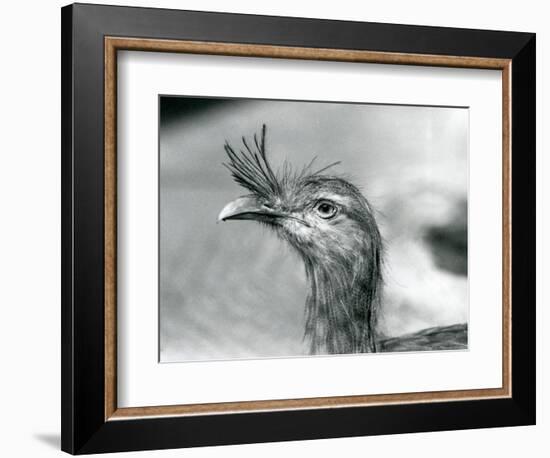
x=281 y=228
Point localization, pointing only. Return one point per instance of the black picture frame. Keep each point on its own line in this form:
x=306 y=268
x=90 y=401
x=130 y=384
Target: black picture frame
x=84 y=427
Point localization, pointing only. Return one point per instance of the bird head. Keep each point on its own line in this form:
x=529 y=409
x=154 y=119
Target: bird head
x=324 y=217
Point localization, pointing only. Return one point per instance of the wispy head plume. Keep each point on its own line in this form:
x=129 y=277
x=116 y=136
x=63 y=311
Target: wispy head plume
x=250 y=168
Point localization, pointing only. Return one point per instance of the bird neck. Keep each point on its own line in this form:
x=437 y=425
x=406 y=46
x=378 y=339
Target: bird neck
x=342 y=304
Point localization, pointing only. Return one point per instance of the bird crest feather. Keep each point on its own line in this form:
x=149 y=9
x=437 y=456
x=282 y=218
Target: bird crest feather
x=251 y=169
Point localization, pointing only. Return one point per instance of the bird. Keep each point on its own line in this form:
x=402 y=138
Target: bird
x=332 y=227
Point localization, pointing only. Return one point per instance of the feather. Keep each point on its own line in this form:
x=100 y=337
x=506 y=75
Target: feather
x=453 y=337
x=250 y=168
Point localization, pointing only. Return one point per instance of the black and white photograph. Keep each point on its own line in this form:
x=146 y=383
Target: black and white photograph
x=292 y=228
x=275 y=229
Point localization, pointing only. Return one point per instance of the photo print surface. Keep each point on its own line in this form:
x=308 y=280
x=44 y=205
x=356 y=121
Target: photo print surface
x=296 y=228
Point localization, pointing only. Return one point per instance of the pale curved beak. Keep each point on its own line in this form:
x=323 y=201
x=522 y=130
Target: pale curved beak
x=246 y=208
x=252 y=209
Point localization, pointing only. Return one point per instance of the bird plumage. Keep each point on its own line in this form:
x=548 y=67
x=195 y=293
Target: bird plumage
x=331 y=225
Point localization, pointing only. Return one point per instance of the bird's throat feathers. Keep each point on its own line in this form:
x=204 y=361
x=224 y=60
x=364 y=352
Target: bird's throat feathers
x=343 y=301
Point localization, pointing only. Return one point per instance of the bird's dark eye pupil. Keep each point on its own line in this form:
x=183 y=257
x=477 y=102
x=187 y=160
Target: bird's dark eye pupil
x=326 y=210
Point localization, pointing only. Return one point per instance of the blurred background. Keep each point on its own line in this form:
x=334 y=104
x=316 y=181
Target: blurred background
x=233 y=290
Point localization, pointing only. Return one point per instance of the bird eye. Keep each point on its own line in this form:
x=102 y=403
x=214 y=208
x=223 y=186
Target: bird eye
x=325 y=210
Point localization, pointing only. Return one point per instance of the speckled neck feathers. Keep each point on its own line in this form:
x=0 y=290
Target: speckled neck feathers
x=343 y=301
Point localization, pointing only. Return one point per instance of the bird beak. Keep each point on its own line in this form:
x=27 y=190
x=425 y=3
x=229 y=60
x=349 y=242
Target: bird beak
x=247 y=208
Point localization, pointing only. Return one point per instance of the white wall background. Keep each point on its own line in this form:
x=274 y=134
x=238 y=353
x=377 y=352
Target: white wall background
x=30 y=227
